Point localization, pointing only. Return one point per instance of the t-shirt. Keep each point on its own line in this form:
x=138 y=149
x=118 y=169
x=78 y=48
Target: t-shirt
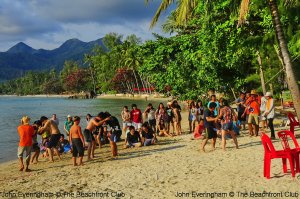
x=208 y=113
x=148 y=135
x=68 y=125
x=26 y=133
x=136 y=115
x=253 y=106
x=240 y=108
x=133 y=138
x=151 y=114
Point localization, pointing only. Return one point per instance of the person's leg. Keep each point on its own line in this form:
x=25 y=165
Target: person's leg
x=194 y=124
x=93 y=149
x=223 y=139
x=233 y=136
x=204 y=142
x=213 y=143
x=89 y=149
x=114 y=151
x=50 y=154
x=190 y=126
x=28 y=153
x=271 y=126
x=20 y=157
x=57 y=152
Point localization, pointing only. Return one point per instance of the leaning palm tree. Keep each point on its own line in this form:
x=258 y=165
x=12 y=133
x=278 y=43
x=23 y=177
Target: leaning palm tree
x=287 y=62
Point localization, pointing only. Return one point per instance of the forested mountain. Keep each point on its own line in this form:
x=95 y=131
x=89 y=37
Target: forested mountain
x=21 y=57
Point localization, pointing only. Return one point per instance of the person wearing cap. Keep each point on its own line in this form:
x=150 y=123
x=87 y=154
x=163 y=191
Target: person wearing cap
x=68 y=124
x=26 y=132
x=270 y=113
x=253 y=110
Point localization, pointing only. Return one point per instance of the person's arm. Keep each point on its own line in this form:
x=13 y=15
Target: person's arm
x=100 y=122
x=47 y=125
x=141 y=117
x=80 y=135
x=70 y=137
x=123 y=116
x=66 y=128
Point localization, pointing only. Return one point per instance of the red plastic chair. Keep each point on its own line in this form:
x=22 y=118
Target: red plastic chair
x=271 y=153
x=293 y=122
x=284 y=137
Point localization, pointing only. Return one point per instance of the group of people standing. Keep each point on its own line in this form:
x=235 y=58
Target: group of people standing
x=254 y=108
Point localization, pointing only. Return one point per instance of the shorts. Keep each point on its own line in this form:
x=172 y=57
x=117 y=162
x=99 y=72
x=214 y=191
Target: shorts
x=126 y=124
x=78 y=148
x=210 y=133
x=227 y=126
x=253 y=117
x=242 y=119
x=22 y=149
x=88 y=136
x=113 y=137
x=152 y=122
x=130 y=144
x=148 y=142
x=53 y=141
x=35 y=147
x=137 y=125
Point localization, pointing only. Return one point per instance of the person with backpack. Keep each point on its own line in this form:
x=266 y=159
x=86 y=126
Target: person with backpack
x=227 y=116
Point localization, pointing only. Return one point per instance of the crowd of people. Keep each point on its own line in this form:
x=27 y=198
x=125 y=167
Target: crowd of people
x=142 y=128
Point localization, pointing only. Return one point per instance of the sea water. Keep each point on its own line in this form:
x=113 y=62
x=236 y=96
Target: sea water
x=13 y=108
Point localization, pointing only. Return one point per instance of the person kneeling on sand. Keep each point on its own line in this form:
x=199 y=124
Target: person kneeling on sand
x=133 y=138
x=51 y=126
x=227 y=115
x=148 y=135
x=26 y=133
x=77 y=140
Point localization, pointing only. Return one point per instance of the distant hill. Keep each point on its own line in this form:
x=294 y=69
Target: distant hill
x=21 y=57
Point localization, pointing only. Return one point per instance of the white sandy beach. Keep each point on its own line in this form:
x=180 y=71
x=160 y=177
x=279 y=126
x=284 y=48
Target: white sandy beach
x=174 y=168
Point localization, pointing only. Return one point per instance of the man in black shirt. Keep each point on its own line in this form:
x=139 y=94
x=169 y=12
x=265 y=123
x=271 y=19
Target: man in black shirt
x=209 y=120
x=133 y=138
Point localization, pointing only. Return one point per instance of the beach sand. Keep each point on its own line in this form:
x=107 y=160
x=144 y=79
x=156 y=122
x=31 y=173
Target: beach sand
x=174 y=168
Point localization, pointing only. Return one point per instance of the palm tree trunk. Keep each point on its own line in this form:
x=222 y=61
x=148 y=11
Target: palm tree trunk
x=137 y=83
x=261 y=73
x=289 y=70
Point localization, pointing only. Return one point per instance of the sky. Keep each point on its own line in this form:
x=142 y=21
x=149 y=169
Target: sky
x=48 y=23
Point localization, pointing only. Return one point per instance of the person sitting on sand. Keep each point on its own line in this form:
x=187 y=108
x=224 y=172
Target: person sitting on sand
x=227 y=115
x=63 y=144
x=26 y=132
x=88 y=136
x=162 y=129
x=148 y=135
x=51 y=126
x=133 y=138
x=199 y=129
x=35 y=145
x=210 y=131
x=77 y=140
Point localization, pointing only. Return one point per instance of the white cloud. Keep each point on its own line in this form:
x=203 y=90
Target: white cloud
x=48 y=23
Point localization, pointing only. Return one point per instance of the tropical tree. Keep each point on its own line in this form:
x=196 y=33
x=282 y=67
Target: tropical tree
x=290 y=71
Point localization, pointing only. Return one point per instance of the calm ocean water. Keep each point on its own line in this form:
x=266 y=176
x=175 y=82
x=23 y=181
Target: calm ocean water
x=13 y=108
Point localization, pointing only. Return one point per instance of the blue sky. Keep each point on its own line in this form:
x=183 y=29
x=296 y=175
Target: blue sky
x=48 y=23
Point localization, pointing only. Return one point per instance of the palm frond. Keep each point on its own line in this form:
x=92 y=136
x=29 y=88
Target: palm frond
x=244 y=9
x=163 y=6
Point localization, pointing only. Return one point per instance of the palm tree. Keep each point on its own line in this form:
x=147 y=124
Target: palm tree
x=289 y=69
x=183 y=11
